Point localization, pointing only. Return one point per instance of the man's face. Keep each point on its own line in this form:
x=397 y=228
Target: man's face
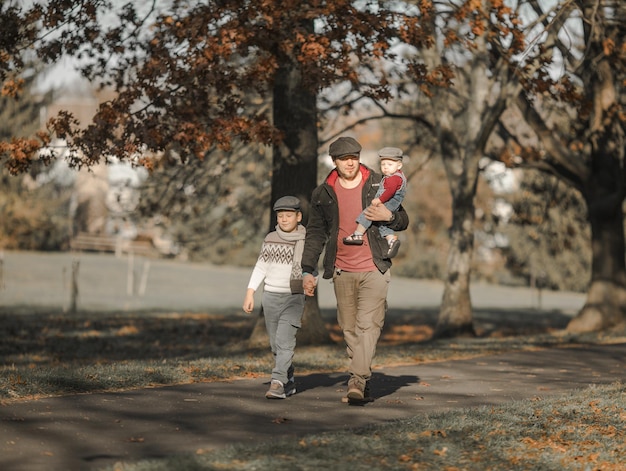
x=347 y=166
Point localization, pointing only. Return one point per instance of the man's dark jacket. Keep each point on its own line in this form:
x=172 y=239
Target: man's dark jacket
x=322 y=227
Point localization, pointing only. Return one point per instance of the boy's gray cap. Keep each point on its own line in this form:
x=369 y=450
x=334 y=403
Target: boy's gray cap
x=392 y=153
x=344 y=146
x=287 y=203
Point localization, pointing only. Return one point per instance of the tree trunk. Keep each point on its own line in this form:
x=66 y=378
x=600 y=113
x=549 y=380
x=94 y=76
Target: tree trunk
x=313 y=331
x=465 y=120
x=259 y=337
x=605 y=305
x=606 y=299
x=295 y=158
x=604 y=191
x=455 y=314
x=295 y=169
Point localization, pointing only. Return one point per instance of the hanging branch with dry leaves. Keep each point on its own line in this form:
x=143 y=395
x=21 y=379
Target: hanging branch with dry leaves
x=182 y=74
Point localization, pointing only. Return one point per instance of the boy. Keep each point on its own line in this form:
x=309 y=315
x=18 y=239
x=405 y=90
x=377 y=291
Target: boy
x=283 y=297
x=390 y=193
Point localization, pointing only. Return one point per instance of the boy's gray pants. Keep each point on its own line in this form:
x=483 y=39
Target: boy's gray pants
x=283 y=317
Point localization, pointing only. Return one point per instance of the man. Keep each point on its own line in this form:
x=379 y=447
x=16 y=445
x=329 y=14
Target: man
x=360 y=273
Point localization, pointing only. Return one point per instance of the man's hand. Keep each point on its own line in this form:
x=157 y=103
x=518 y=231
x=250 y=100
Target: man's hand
x=378 y=213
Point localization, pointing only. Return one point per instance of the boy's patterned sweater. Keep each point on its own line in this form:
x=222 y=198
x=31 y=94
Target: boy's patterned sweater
x=274 y=265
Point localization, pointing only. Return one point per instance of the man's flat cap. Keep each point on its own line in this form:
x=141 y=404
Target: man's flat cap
x=344 y=146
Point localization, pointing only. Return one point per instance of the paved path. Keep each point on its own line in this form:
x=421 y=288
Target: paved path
x=88 y=431
x=93 y=430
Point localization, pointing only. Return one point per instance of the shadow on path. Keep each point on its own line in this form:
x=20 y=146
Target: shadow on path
x=85 y=431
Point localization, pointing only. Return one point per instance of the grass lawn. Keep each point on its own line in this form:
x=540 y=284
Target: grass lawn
x=50 y=353
x=581 y=430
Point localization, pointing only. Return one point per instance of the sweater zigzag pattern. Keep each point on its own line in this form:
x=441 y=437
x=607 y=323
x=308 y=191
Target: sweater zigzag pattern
x=277 y=252
x=274 y=265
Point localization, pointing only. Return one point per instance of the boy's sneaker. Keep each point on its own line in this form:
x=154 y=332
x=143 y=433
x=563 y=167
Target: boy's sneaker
x=290 y=387
x=276 y=390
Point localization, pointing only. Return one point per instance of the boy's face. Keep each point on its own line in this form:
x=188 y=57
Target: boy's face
x=390 y=166
x=288 y=220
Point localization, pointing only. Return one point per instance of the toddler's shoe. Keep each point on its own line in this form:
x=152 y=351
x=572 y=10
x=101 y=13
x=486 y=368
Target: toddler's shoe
x=353 y=239
x=394 y=245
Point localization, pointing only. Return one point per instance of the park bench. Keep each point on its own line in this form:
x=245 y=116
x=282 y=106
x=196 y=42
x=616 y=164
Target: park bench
x=84 y=242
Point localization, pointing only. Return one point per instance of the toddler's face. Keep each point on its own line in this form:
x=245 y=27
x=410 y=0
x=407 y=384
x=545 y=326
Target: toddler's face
x=390 y=166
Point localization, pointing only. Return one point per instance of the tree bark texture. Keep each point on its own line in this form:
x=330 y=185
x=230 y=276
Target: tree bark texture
x=604 y=191
x=455 y=314
x=465 y=123
x=295 y=158
x=295 y=168
x=313 y=330
x=605 y=305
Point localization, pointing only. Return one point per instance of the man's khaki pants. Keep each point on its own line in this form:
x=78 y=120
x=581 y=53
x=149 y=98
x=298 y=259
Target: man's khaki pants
x=361 y=307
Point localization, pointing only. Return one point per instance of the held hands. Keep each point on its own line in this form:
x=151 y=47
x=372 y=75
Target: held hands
x=309 y=283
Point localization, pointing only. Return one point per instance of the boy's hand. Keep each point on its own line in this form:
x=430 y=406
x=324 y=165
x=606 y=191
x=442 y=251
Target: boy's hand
x=248 y=302
x=308 y=283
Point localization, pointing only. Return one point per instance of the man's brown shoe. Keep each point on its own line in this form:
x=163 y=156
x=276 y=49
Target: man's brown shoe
x=355 y=390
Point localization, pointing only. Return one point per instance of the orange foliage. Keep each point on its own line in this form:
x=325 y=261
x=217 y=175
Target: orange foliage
x=12 y=88
x=188 y=81
x=192 y=76
x=22 y=151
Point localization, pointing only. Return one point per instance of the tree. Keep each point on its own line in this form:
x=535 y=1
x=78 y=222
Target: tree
x=548 y=234
x=493 y=64
x=587 y=40
x=183 y=74
x=183 y=83
x=295 y=158
x=33 y=208
x=467 y=75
